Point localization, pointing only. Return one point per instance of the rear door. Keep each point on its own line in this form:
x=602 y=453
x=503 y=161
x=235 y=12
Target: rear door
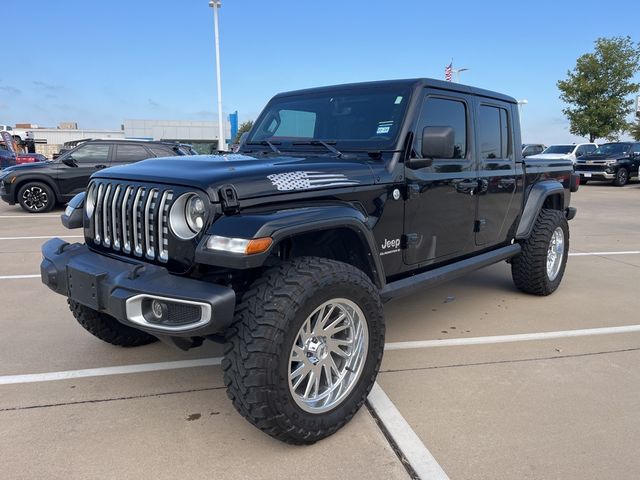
x=441 y=205
x=497 y=180
x=129 y=153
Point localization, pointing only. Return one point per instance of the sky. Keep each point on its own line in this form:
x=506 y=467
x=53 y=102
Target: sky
x=101 y=62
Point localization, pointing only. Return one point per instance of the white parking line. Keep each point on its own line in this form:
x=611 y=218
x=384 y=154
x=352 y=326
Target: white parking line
x=416 y=453
x=17 y=277
x=41 y=237
x=583 y=254
x=152 y=367
x=99 y=372
x=522 y=337
x=30 y=216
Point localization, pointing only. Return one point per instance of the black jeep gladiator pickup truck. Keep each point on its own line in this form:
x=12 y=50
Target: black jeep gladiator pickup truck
x=339 y=199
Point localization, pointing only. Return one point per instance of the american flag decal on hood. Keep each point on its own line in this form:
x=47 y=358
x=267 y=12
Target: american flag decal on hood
x=309 y=180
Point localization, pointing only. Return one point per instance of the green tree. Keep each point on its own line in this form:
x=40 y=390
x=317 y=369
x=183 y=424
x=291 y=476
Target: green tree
x=635 y=130
x=244 y=127
x=597 y=90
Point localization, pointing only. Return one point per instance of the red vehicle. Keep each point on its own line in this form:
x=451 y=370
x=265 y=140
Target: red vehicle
x=30 y=158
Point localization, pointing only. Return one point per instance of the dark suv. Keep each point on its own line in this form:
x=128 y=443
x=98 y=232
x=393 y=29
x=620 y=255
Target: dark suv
x=37 y=187
x=617 y=162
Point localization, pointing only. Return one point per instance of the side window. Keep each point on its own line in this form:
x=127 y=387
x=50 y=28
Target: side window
x=131 y=153
x=92 y=154
x=441 y=112
x=162 y=151
x=494 y=133
x=294 y=123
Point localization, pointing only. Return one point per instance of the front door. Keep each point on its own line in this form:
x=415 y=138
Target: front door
x=441 y=203
x=73 y=176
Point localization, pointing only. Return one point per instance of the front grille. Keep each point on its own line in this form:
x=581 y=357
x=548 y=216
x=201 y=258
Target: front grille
x=590 y=168
x=131 y=219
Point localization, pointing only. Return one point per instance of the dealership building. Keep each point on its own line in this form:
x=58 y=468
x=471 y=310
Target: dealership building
x=203 y=135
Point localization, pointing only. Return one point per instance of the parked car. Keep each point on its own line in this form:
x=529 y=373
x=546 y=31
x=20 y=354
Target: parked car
x=529 y=149
x=37 y=187
x=7 y=157
x=617 y=162
x=30 y=158
x=566 y=151
x=341 y=198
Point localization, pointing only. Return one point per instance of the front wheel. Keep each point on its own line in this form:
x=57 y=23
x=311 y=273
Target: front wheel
x=305 y=349
x=539 y=267
x=107 y=328
x=36 y=197
x=622 y=177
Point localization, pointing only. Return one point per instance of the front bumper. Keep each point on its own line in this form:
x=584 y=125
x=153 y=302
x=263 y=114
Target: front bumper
x=125 y=290
x=5 y=194
x=596 y=175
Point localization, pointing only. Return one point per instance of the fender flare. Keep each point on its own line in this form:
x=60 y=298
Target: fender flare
x=283 y=224
x=535 y=200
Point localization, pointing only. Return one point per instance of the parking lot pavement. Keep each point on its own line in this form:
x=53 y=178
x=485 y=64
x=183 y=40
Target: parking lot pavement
x=564 y=407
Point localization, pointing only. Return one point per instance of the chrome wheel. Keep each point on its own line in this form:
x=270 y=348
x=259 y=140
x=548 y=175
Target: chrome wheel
x=35 y=198
x=555 y=253
x=328 y=355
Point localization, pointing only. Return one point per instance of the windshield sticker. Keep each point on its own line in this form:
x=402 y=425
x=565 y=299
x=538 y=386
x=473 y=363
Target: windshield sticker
x=309 y=180
x=384 y=127
x=398 y=100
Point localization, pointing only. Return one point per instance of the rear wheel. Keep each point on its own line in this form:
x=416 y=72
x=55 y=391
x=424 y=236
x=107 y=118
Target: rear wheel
x=622 y=177
x=539 y=268
x=305 y=349
x=107 y=328
x=36 y=197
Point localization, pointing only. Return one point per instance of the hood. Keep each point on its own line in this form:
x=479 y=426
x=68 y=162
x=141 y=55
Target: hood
x=251 y=176
x=27 y=166
x=552 y=156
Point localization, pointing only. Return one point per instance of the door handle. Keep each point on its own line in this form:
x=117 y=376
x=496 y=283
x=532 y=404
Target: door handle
x=100 y=167
x=467 y=186
x=507 y=184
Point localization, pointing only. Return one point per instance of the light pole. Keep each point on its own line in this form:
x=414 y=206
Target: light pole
x=458 y=71
x=520 y=104
x=216 y=4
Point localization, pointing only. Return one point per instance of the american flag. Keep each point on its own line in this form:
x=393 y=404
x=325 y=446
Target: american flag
x=448 y=71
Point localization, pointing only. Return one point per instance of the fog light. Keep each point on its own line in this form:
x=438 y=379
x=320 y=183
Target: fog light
x=157 y=310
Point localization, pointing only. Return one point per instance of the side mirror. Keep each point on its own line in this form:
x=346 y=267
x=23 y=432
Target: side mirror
x=73 y=214
x=243 y=138
x=69 y=161
x=438 y=142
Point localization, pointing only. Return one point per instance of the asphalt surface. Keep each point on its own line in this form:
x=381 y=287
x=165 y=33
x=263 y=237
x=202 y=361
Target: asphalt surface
x=565 y=407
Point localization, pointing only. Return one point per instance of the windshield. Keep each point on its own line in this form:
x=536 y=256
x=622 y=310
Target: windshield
x=612 y=149
x=562 y=149
x=362 y=119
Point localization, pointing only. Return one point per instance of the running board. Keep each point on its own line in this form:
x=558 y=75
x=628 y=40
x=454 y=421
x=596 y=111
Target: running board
x=415 y=283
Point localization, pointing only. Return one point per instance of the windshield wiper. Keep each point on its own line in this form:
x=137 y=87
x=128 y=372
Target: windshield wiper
x=268 y=143
x=332 y=149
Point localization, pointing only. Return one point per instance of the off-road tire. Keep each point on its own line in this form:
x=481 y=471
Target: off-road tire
x=622 y=177
x=529 y=268
x=107 y=328
x=44 y=189
x=259 y=341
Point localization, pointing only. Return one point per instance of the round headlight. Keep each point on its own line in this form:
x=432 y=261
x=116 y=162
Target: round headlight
x=187 y=216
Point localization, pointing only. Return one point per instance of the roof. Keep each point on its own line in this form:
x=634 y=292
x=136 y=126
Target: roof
x=411 y=83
